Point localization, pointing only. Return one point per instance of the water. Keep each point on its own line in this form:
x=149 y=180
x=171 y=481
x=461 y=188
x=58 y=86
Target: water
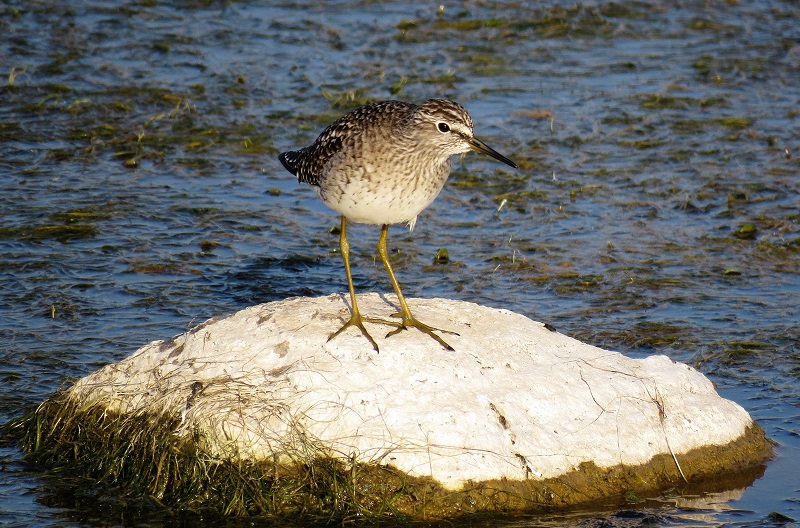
x=656 y=209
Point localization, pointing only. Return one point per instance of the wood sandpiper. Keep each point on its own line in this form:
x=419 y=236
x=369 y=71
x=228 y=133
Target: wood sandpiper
x=383 y=164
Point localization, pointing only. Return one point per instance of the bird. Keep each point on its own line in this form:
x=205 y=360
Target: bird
x=382 y=164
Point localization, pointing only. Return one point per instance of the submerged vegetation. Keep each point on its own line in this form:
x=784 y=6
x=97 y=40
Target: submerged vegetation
x=137 y=123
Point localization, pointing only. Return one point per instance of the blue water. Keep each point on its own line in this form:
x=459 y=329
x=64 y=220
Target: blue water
x=140 y=194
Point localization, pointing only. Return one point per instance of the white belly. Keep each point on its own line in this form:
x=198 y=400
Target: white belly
x=363 y=197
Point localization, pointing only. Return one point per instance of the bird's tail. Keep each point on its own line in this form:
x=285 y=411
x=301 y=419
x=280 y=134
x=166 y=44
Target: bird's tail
x=290 y=160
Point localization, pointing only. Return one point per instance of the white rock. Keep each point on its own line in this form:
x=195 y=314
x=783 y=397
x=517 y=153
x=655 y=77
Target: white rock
x=514 y=400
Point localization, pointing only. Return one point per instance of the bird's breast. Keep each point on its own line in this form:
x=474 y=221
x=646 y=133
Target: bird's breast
x=382 y=191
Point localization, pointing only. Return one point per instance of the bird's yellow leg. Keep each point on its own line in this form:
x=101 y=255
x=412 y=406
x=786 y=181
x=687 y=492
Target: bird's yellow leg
x=355 y=316
x=408 y=320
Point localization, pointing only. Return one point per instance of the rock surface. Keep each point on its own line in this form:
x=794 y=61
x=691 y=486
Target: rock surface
x=514 y=402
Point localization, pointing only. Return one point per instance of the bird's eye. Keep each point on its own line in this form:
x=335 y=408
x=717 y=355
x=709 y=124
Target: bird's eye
x=444 y=128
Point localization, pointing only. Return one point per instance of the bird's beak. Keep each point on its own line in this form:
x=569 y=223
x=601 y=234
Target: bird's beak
x=479 y=146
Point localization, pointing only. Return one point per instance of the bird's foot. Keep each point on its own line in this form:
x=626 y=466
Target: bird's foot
x=357 y=321
x=411 y=322
x=408 y=322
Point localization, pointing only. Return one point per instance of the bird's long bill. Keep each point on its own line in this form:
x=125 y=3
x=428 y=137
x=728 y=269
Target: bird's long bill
x=479 y=146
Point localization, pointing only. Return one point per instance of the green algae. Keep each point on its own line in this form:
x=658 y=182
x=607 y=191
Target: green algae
x=739 y=348
x=63 y=227
x=698 y=126
x=734 y=122
x=746 y=231
x=585 y=191
x=660 y=102
x=642 y=143
x=622 y=120
x=348 y=99
x=467 y=24
x=553 y=22
x=516 y=198
x=705 y=24
x=79 y=216
x=573 y=282
x=140 y=122
x=708 y=66
x=59 y=232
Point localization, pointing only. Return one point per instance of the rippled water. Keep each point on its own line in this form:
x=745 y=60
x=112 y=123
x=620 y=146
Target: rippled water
x=656 y=209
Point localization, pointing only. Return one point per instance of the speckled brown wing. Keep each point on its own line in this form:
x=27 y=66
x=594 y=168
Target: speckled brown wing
x=308 y=163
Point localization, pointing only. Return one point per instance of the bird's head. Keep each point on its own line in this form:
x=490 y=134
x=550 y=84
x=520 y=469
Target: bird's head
x=447 y=126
